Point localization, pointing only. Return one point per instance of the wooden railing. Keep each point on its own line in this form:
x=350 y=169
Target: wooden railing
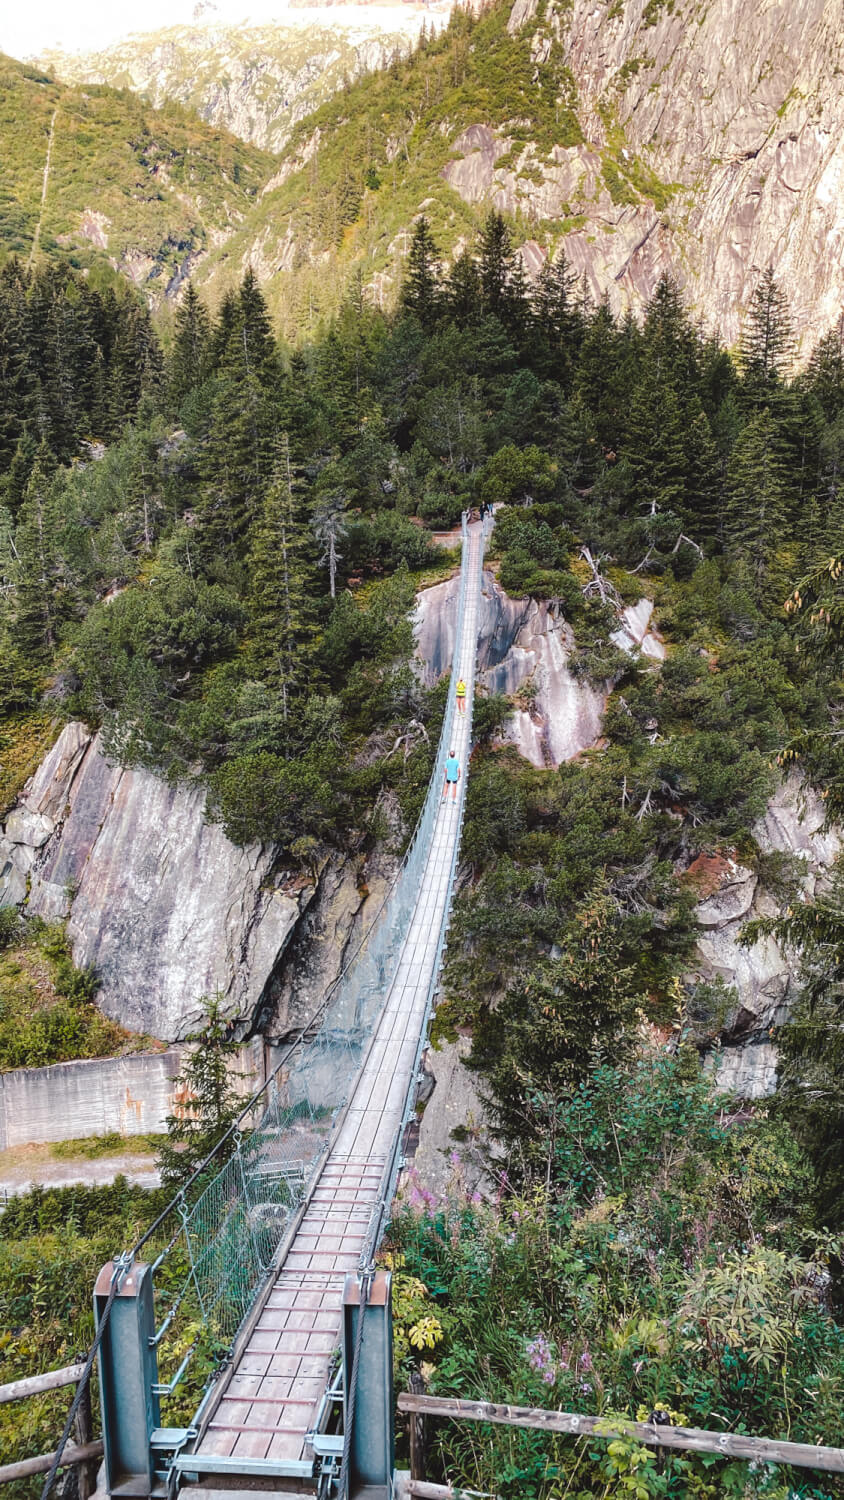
x=690 y=1439
x=83 y=1453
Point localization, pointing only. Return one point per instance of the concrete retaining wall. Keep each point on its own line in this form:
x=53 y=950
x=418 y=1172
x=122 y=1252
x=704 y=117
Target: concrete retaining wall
x=132 y=1095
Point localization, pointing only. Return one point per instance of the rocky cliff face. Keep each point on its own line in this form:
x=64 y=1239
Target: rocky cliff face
x=760 y=981
x=156 y=899
x=701 y=138
x=520 y=642
x=256 y=81
x=713 y=147
x=164 y=907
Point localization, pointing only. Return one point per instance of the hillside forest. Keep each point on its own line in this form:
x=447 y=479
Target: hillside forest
x=210 y=549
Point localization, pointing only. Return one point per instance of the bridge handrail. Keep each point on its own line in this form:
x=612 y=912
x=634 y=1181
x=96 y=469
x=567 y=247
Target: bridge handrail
x=380 y=1217
x=306 y=1028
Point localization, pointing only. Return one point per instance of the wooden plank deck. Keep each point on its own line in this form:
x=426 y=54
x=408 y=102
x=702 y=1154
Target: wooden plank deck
x=271 y=1399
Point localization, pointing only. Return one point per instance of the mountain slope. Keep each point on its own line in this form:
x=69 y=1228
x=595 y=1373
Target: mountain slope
x=704 y=139
x=97 y=174
x=256 y=81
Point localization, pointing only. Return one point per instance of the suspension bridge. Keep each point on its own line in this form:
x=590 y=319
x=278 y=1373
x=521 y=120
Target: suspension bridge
x=245 y=1341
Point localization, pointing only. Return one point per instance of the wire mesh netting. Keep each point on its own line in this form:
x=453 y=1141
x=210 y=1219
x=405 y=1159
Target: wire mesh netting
x=214 y=1251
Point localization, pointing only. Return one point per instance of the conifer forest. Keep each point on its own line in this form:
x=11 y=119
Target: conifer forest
x=211 y=544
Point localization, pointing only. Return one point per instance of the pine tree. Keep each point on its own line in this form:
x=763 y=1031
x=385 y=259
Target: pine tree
x=17 y=371
x=559 y=320
x=239 y=458
x=15 y=482
x=607 y=370
x=421 y=292
x=38 y=564
x=463 y=291
x=703 y=479
x=767 y=344
x=495 y=265
x=756 y=503
x=547 y=1032
x=281 y=629
x=223 y=330
x=210 y=1101
x=825 y=371
x=253 y=347
x=671 y=348
x=189 y=361
x=654 y=448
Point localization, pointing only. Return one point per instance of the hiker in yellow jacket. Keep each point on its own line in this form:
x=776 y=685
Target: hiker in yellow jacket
x=461 y=696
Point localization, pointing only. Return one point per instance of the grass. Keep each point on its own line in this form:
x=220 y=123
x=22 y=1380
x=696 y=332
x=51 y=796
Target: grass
x=92 y=1147
x=24 y=741
x=47 y=1009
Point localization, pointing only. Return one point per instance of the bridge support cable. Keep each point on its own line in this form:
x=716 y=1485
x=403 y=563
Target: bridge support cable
x=309 y=1162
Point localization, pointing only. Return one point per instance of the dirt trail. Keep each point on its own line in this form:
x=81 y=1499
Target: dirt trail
x=44 y=185
x=44 y=1171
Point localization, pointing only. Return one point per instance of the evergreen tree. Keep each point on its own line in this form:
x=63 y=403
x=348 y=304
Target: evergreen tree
x=495 y=266
x=209 y=1102
x=421 y=292
x=239 y=458
x=17 y=478
x=281 y=630
x=223 y=330
x=767 y=344
x=189 y=361
x=539 y=1043
x=463 y=291
x=701 y=504
x=756 y=502
x=825 y=372
x=38 y=564
x=671 y=349
x=654 y=449
x=559 y=320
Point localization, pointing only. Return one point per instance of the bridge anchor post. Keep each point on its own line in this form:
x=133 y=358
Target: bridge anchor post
x=372 y=1447
x=128 y=1368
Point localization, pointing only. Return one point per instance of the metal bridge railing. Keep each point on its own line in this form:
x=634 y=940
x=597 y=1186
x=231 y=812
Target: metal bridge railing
x=218 y=1239
x=222 y=1243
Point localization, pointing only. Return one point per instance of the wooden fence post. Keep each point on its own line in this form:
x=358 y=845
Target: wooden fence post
x=417 y=1429
x=87 y=1469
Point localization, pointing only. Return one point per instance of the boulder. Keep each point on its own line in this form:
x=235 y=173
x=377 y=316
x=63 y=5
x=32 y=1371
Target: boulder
x=451 y=1104
x=25 y=827
x=749 y=1072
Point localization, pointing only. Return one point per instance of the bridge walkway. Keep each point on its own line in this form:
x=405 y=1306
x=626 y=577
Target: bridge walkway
x=271 y=1399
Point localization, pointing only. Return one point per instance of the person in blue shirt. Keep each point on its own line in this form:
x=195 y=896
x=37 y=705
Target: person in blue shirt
x=452 y=776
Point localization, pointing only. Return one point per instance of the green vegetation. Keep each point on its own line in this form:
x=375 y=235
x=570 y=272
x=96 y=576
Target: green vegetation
x=227 y=592
x=47 y=1006
x=148 y=187
x=382 y=147
x=92 y=1147
x=214 y=1102
x=666 y=1263
x=53 y=1244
